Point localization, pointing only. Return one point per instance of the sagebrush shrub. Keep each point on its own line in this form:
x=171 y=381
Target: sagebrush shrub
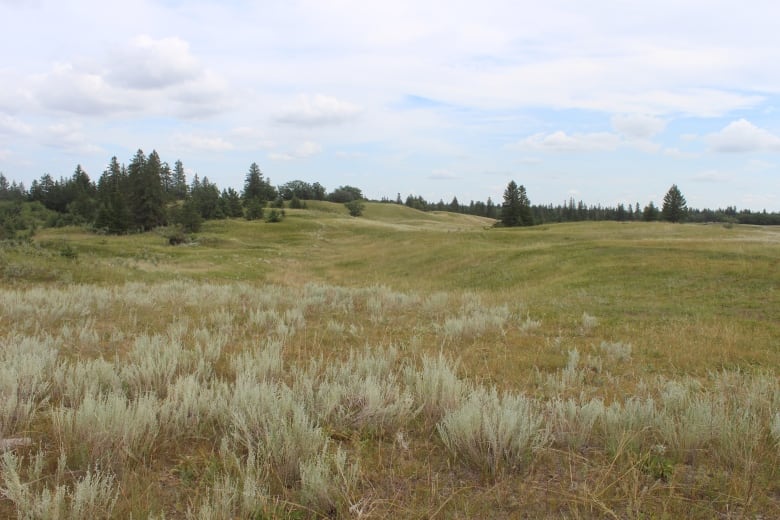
x=494 y=433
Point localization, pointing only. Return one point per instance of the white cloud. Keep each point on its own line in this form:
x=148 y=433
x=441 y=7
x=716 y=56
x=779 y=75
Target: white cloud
x=204 y=96
x=676 y=153
x=712 y=176
x=638 y=126
x=302 y=151
x=10 y=125
x=202 y=143
x=349 y=155
x=317 y=110
x=560 y=141
x=530 y=160
x=643 y=145
x=743 y=136
x=146 y=63
x=759 y=165
x=443 y=175
x=69 y=90
x=68 y=137
x=307 y=149
x=148 y=77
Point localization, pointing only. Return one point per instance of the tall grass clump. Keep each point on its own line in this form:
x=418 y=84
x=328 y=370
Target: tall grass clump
x=588 y=322
x=747 y=403
x=689 y=418
x=94 y=495
x=774 y=430
x=74 y=381
x=630 y=424
x=494 y=433
x=109 y=430
x=25 y=367
x=193 y=408
x=239 y=491
x=475 y=320
x=436 y=386
x=263 y=364
x=616 y=351
x=361 y=394
x=570 y=379
x=154 y=362
x=368 y=405
x=329 y=483
x=268 y=419
x=208 y=347
x=573 y=423
x=529 y=324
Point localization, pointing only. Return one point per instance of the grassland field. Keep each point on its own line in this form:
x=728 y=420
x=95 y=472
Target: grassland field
x=397 y=365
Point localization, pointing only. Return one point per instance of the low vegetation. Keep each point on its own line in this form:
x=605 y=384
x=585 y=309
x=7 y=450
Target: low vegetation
x=403 y=364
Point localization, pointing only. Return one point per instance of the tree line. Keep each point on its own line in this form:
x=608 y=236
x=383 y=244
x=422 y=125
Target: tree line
x=673 y=209
x=148 y=193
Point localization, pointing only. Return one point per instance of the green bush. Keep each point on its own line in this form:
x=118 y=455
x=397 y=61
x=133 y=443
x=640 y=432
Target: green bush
x=275 y=215
x=355 y=207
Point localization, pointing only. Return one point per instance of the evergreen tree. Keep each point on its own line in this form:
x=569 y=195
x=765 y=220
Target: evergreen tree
x=113 y=212
x=147 y=200
x=620 y=214
x=526 y=217
x=231 y=201
x=178 y=182
x=80 y=194
x=205 y=197
x=516 y=209
x=189 y=217
x=650 y=212
x=254 y=210
x=13 y=191
x=674 y=208
x=166 y=179
x=490 y=208
x=256 y=188
x=5 y=188
x=510 y=209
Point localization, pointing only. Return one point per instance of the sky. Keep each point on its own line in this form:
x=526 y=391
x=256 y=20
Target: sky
x=604 y=101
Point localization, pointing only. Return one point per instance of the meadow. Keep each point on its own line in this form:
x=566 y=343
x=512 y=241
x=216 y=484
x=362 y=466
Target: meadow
x=397 y=365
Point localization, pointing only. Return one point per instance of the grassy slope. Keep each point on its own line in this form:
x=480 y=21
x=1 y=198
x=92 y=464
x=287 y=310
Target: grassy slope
x=691 y=299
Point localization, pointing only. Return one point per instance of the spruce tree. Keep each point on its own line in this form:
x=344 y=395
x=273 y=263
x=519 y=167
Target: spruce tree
x=231 y=202
x=80 y=194
x=526 y=217
x=510 y=209
x=490 y=209
x=179 y=182
x=650 y=212
x=256 y=188
x=516 y=209
x=147 y=201
x=166 y=179
x=113 y=213
x=674 y=208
